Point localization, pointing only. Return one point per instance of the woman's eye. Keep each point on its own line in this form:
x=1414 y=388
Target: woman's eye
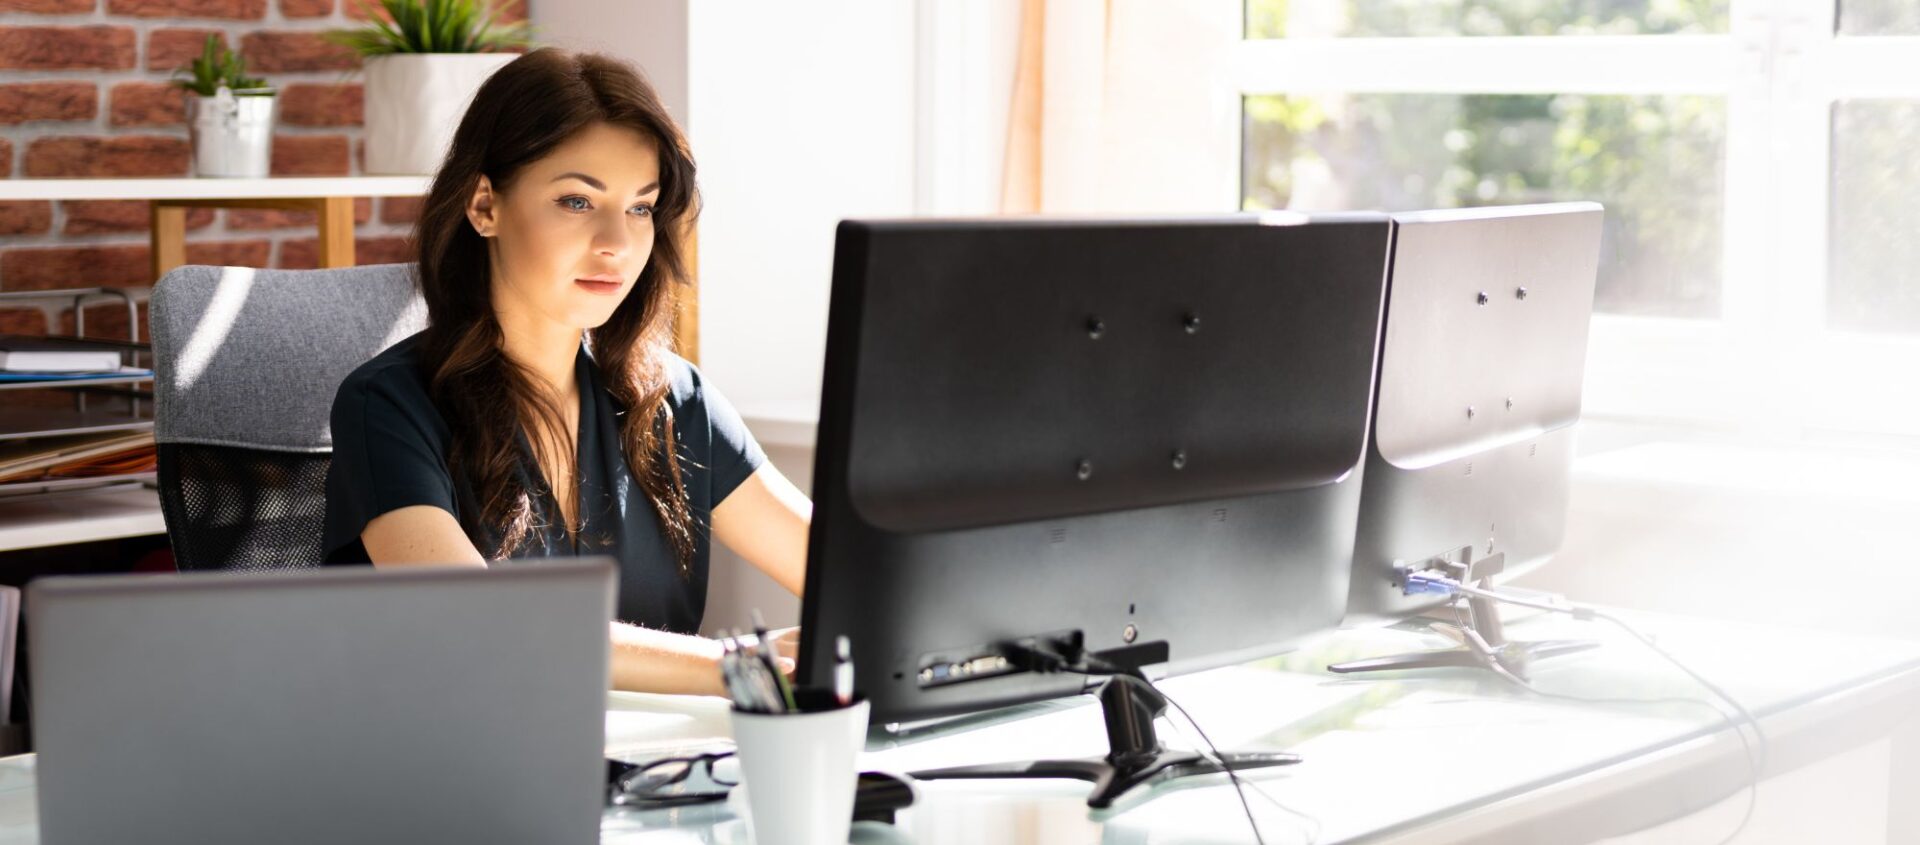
x=645 y=210
x=568 y=202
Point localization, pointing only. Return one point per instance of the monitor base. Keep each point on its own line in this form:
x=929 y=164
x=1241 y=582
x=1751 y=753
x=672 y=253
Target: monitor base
x=1135 y=756
x=1483 y=644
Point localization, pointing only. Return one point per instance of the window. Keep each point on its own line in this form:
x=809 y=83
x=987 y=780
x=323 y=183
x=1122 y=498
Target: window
x=1761 y=258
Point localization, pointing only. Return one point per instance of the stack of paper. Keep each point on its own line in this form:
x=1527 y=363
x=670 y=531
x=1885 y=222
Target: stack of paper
x=76 y=456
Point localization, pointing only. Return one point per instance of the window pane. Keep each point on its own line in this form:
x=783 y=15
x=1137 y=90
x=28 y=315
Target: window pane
x=1656 y=163
x=1321 y=18
x=1874 y=17
x=1873 y=280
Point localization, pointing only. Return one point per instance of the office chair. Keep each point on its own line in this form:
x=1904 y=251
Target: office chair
x=246 y=364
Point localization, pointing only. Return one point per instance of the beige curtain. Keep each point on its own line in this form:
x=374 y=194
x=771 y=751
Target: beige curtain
x=1117 y=106
x=1058 y=99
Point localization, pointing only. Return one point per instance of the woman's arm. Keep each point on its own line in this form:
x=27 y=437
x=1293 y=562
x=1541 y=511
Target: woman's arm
x=643 y=660
x=765 y=520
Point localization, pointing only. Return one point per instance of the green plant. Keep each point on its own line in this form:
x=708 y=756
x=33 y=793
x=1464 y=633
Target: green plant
x=431 y=26
x=219 y=66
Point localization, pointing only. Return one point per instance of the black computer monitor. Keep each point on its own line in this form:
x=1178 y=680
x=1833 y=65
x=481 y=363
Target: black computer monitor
x=1136 y=440
x=1482 y=359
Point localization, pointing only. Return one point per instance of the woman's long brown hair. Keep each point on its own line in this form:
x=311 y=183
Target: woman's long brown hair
x=522 y=112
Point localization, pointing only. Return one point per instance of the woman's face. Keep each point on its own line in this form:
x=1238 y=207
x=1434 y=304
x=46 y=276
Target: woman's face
x=569 y=237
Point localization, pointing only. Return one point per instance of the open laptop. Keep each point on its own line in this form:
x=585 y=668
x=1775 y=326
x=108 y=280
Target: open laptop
x=323 y=706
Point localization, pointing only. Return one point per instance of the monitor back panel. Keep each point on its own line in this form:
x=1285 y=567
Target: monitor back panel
x=1146 y=432
x=1482 y=360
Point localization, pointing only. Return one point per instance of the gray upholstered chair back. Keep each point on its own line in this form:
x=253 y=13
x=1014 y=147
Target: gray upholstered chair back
x=246 y=365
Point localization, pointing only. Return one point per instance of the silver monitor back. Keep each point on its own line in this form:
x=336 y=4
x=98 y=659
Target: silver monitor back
x=326 y=706
x=1481 y=363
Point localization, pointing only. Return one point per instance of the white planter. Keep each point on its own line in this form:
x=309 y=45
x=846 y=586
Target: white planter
x=414 y=101
x=232 y=137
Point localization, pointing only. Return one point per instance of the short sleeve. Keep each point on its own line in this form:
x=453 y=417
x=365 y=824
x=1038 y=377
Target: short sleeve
x=735 y=454
x=388 y=453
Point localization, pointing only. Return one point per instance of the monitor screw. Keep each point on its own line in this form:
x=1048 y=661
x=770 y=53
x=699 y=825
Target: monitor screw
x=1509 y=403
x=1095 y=327
x=1192 y=323
x=1129 y=634
x=1085 y=470
x=1483 y=298
x=1179 y=459
x=1520 y=294
x=1470 y=412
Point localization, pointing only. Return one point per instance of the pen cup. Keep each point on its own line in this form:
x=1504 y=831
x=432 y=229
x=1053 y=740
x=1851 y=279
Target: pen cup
x=800 y=770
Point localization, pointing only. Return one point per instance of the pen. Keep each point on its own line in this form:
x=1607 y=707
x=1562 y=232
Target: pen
x=767 y=654
x=842 y=670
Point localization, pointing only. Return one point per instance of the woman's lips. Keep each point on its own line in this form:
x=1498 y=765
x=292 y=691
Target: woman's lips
x=599 y=287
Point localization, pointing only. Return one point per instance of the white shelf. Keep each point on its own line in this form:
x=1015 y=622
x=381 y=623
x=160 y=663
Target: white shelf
x=60 y=519
x=278 y=187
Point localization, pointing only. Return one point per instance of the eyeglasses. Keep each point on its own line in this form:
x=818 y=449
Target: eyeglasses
x=670 y=781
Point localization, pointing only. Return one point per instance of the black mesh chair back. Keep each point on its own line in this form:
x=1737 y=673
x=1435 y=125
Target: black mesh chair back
x=246 y=365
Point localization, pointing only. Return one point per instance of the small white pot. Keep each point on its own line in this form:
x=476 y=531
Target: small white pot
x=414 y=101
x=232 y=137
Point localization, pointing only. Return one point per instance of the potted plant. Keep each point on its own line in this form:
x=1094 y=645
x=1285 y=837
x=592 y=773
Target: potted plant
x=423 y=61
x=229 y=114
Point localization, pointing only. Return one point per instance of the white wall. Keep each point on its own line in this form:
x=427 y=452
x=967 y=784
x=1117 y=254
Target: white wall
x=802 y=114
x=652 y=34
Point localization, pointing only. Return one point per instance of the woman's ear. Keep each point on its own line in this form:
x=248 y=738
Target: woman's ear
x=481 y=208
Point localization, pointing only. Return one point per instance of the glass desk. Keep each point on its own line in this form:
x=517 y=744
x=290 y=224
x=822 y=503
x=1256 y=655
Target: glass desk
x=1441 y=756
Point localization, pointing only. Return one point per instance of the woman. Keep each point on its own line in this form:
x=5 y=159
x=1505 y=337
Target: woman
x=560 y=213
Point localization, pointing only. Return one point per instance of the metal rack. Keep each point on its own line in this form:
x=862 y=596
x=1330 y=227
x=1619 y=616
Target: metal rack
x=112 y=403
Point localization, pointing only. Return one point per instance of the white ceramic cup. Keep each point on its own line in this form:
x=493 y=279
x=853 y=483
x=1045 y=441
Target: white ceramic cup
x=800 y=770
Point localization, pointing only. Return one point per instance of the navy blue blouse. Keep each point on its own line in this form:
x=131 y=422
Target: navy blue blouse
x=390 y=451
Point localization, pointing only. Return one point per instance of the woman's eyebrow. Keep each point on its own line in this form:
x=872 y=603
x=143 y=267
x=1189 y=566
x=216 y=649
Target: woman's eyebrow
x=599 y=185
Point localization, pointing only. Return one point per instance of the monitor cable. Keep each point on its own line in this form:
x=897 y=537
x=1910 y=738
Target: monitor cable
x=1755 y=751
x=1041 y=659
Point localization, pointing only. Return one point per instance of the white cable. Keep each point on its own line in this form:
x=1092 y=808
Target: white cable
x=1755 y=753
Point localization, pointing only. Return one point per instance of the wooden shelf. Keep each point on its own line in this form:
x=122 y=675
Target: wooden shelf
x=278 y=187
x=57 y=519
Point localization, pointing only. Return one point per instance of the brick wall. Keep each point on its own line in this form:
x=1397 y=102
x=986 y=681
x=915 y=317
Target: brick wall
x=84 y=92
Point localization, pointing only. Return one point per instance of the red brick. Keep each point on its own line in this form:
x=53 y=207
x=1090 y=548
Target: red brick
x=23 y=321
x=6 y=157
x=361 y=10
x=310 y=155
x=304 y=254
x=247 y=10
x=108 y=321
x=26 y=101
x=284 y=52
x=306 y=8
x=49 y=7
x=125 y=155
x=66 y=48
x=94 y=217
x=147 y=104
x=171 y=49
x=253 y=219
x=400 y=209
x=230 y=253
x=40 y=268
x=122 y=265
x=25 y=217
x=320 y=104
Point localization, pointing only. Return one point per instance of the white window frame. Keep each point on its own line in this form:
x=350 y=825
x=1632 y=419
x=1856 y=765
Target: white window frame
x=1768 y=366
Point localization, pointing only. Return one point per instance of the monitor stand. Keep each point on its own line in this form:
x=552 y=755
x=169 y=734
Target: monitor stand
x=1483 y=644
x=1134 y=757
